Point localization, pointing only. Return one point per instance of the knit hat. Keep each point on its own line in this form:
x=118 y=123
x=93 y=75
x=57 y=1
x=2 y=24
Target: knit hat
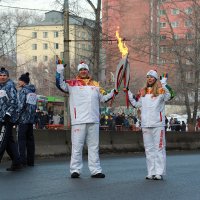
x=82 y=65
x=4 y=71
x=153 y=73
x=25 y=78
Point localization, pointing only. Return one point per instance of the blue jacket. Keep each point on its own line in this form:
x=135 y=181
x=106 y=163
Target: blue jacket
x=8 y=100
x=27 y=104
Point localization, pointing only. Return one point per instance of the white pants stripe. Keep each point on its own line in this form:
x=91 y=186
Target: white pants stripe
x=80 y=134
x=155 y=149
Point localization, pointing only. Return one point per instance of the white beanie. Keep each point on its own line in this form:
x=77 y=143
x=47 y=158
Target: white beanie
x=153 y=73
x=82 y=65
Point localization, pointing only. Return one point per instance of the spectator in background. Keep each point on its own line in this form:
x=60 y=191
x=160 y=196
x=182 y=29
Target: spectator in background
x=166 y=123
x=27 y=100
x=198 y=124
x=56 y=119
x=102 y=120
x=183 y=126
x=171 y=124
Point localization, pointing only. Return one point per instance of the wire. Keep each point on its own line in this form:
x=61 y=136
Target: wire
x=15 y=7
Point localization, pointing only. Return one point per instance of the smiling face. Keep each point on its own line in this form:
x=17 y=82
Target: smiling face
x=3 y=78
x=150 y=80
x=83 y=73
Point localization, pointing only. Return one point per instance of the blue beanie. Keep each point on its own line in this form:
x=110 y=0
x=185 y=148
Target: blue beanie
x=4 y=71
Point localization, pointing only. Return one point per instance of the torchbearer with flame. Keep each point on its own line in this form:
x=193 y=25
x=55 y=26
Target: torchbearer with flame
x=123 y=70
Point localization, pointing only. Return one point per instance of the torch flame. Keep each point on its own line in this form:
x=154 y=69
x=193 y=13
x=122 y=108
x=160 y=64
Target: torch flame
x=122 y=46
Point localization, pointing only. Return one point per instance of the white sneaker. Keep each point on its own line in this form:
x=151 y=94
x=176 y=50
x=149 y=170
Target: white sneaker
x=150 y=177
x=158 y=177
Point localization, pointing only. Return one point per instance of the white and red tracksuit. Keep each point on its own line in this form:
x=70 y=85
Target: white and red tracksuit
x=85 y=96
x=153 y=128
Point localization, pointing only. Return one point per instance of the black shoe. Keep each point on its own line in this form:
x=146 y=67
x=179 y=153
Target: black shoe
x=75 y=175
x=99 y=175
x=150 y=177
x=15 y=168
x=30 y=165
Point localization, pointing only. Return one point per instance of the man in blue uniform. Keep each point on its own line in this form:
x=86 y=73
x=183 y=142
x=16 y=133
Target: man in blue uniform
x=8 y=116
x=27 y=100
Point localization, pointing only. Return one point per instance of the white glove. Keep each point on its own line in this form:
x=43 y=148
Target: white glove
x=60 y=68
x=163 y=79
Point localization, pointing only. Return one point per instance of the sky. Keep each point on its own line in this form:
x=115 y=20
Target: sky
x=32 y=4
x=45 y=5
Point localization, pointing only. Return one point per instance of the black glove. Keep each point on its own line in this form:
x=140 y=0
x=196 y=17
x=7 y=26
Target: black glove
x=126 y=89
x=115 y=92
x=7 y=118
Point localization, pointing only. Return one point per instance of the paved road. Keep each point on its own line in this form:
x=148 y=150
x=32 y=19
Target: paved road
x=50 y=180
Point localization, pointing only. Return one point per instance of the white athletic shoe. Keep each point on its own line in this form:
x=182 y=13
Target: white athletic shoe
x=150 y=177
x=158 y=177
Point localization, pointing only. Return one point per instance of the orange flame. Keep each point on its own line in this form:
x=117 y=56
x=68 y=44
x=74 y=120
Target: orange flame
x=122 y=46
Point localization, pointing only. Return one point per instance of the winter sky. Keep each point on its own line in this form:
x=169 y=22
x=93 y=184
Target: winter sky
x=43 y=6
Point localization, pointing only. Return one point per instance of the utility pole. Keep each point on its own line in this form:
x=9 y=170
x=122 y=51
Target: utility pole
x=66 y=60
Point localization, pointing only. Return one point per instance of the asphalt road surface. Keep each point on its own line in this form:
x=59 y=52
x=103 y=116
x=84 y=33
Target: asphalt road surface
x=125 y=179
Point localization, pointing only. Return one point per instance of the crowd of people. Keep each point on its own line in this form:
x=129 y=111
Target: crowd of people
x=119 y=122
x=43 y=119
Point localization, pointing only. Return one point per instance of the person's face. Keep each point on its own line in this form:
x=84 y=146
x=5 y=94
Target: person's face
x=21 y=83
x=3 y=78
x=150 y=80
x=83 y=73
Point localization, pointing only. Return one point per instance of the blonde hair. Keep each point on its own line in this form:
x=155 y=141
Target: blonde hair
x=154 y=90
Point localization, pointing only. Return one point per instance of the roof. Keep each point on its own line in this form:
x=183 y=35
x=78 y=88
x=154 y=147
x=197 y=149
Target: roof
x=56 y=18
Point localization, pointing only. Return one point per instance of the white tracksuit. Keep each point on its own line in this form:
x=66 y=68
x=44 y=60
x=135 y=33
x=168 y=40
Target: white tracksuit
x=84 y=96
x=153 y=128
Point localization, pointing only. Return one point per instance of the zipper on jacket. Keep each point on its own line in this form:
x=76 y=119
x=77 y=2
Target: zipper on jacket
x=75 y=113
x=160 y=116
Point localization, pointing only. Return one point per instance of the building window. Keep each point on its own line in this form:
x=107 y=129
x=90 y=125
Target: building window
x=34 y=34
x=174 y=24
x=56 y=46
x=176 y=37
x=45 y=58
x=34 y=46
x=188 y=36
x=175 y=61
x=188 y=23
x=34 y=58
x=188 y=62
x=78 y=46
x=83 y=46
x=162 y=61
x=83 y=35
x=56 y=34
x=162 y=12
x=188 y=11
x=189 y=48
x=45 y=34
x=163 y=37
x=175 y=11
x=163 y=24
x=89 y=47
x=45 y=46
x=163 y=49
